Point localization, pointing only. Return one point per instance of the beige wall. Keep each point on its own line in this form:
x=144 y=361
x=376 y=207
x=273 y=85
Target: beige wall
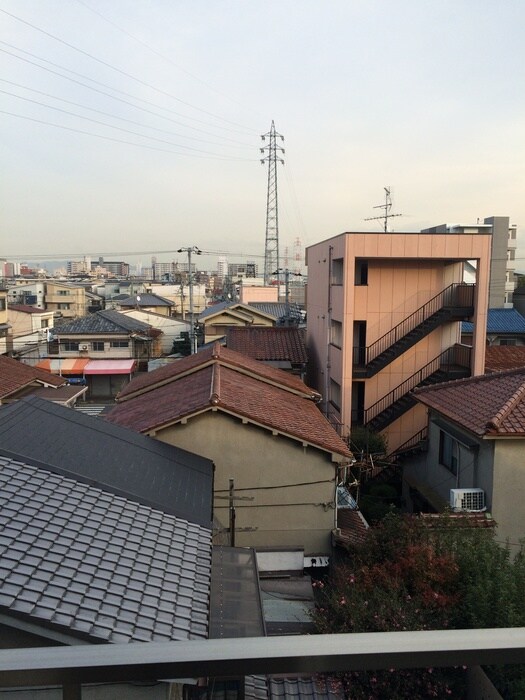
x=508 y=504
x=75 y=297
x=289 y=515
x=249 y=293
x=405 y=270
x=217 y=326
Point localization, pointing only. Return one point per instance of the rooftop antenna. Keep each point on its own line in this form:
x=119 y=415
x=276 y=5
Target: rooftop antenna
x=387 y=206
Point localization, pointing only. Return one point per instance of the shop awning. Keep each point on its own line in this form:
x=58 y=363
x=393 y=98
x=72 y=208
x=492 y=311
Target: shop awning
x=110 y=367
x=64 y=367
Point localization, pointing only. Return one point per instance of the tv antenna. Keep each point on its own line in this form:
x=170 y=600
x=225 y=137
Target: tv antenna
x=387 y=206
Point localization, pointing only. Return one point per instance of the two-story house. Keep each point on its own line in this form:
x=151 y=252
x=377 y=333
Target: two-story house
x=383 y=314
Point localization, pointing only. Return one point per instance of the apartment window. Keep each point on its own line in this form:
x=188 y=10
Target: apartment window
x=119 y=344
x=337 y=271
x=361 y=273
x=63 y=307
x=2 y=304
x=98 y=346
x=71 y=345
x=63 y=293
x=335 y=394
x=448 y=452
x=508 y=341
x=44 y=323
x=336 y=334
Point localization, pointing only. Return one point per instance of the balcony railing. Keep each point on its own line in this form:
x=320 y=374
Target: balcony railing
x=72 y=666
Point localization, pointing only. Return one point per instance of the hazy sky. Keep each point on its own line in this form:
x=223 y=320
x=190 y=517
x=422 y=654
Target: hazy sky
x=133 y=126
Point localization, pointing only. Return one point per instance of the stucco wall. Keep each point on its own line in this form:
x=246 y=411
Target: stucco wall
x=508 y=505
x=270 y=468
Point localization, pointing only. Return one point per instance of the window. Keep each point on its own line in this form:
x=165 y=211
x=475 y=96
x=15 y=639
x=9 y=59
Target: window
x=335 y=393
x=119 y=343
x=63 y=306
x=71 y=345
x=2 y=304
x=44 y=323
x=337 y=271
x=448 y=452
x=361 y=273
x=98 y=346
x=336 y=334
x=63 y=293
x=508 y=341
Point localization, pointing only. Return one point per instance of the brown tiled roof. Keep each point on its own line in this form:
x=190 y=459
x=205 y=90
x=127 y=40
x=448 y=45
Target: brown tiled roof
x=483 y=521
x=26 y=309
x=263 y=343
x=502 y=357
x=14 y=375
x=353 y=528
x=226 y=357
x=491 y=404
x=224 y=388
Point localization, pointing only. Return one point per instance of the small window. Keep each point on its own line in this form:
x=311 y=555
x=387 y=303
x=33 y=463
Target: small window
x=2 y=304
x=71 y=345
x=119 y=344
x=335 y=393
x=98 y=346
x=448 y=452
x=63 y=307
x=44 y=323
x=508 y=341
x=361 y=273
x=337 y=271
x=336 y=334
x=63 y=293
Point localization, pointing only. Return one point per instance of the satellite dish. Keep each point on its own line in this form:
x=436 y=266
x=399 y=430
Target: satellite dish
x=138 y=297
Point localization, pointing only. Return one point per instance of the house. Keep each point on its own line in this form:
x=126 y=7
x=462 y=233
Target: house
x=502 y=357
x=171 y=328
x=65 y=299
x=383 y=312
x=5 y=336
x=146 y=302
x=18 y=380
x=504 y=327
x=103 y=349
x=216 y=319
x=283 y=347
x=475 y=447
x=277 y=458
x=29 y=325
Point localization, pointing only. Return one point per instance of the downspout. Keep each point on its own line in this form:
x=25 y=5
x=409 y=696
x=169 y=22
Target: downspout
x=328 y=331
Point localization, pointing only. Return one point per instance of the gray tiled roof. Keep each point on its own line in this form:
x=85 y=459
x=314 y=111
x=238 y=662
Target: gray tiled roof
x=277 y=309
x=107 y=321
x=109 y=456
x=146 y=299
x=98 y=566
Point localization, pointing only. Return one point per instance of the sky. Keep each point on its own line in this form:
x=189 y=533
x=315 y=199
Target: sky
x=131 y=129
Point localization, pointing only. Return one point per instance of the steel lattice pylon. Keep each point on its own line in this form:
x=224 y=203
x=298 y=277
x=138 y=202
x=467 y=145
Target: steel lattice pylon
x=271 y=250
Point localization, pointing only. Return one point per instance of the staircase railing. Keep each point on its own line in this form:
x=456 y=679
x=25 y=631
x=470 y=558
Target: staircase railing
x=458 y=294
x=412 y=442
x=453 y=356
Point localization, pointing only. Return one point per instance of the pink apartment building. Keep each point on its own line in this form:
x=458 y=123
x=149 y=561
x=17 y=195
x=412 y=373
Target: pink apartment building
x=384 y=312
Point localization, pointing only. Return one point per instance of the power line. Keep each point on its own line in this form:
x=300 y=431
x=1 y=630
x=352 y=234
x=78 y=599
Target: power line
x=119 y=128
x=113 y=97
x=120 y=71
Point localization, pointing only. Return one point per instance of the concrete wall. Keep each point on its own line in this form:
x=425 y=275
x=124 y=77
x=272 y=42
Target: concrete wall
x=293 y=487
x=508 y=506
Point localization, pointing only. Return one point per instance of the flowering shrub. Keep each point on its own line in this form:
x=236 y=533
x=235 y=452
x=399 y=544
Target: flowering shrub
x=408 y=576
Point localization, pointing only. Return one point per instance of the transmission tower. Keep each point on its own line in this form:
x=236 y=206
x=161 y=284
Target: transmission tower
x=271 y=250
x=387 y=206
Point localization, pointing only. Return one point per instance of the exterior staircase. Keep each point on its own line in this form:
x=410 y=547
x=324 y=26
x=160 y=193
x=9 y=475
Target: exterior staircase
x=455 y=303
x=453 y=363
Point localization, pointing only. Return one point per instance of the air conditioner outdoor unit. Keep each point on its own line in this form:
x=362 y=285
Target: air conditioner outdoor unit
x=83 y=347
x=467 y=500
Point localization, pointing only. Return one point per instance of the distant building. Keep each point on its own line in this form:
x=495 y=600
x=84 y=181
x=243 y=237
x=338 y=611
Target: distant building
x=222 y=268
x=240 y=270
x=503 y=253
x=117 y=268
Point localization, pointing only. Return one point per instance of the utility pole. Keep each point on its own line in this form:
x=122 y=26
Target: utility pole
x=189 y=251
x=271 y=250
x=287 y=274
x=387 y=206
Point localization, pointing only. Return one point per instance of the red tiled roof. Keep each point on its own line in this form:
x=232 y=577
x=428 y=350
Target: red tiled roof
x=226 y=357
x=491 y=404
x=502 y=357
x=223 y=387
x=14 y=375
x=353 y=528
x=434 y=521
x=263 y=343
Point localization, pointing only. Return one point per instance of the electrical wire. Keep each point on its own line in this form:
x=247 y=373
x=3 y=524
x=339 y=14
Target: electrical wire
x=122 y=72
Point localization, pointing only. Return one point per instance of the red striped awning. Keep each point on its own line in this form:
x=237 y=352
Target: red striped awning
x=64 y=367
x=110 y=367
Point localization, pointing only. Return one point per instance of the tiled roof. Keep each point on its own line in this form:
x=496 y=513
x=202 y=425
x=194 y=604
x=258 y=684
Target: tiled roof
x=278 y=309
x=352 y=526
x=109 y=456
x=107 y=321
x=14 y=375
x=499 y=321
x=214 y=353
x=26 y=309
x=502 y=357
x=235 y=308
x=146 y=299
x=491 y=404
x=262 y=343
x=221 y=387
x=92 y=564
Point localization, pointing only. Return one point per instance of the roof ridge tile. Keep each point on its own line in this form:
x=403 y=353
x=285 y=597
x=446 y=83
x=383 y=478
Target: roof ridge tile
x=507 y=408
